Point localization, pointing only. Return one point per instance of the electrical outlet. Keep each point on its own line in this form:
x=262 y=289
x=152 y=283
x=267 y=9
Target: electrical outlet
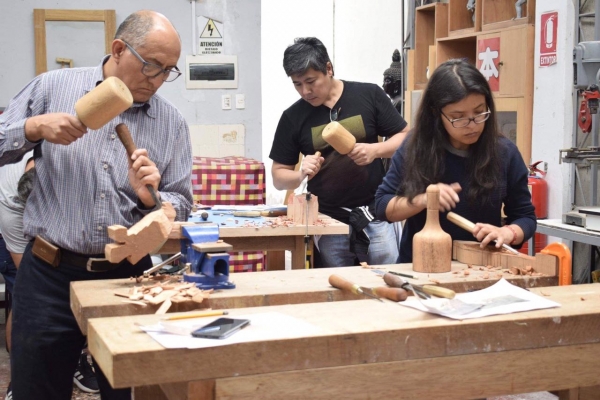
x=240 y=101
x=226 y=102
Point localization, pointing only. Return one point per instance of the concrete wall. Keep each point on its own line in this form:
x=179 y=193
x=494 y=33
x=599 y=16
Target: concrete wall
x=201 y=108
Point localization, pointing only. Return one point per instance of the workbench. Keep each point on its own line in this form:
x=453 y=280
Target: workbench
x=369 y=349
x=94 y=299
x=266 y=237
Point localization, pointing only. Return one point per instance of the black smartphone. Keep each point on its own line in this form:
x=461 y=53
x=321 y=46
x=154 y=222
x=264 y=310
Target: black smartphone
x=220 y=328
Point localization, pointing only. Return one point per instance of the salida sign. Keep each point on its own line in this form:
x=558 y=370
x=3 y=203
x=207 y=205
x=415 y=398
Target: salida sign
x=548 y=35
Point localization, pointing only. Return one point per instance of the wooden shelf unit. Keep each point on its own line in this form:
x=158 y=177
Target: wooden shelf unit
x=460 y=19
x=499 y=14
x=446 y=31
x=431 y=23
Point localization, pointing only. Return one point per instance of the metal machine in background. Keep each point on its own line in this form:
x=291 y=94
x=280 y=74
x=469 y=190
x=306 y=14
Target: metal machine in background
x=586 y=65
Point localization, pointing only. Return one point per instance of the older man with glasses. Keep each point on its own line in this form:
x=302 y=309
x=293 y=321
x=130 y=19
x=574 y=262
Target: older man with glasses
x=344 y=183
x=85 y=184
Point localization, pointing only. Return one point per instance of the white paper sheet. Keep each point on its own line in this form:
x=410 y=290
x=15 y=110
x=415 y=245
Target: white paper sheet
x=500 y=298
x=271 y=325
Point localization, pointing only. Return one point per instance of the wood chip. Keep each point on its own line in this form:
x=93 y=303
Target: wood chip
x=164 y=307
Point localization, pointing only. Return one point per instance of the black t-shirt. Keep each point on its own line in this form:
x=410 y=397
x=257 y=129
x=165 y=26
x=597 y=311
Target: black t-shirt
x=366 y=112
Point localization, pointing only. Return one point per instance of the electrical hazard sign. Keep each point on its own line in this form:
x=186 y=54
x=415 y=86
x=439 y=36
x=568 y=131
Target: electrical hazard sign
x=548 y=35
x=210 y=41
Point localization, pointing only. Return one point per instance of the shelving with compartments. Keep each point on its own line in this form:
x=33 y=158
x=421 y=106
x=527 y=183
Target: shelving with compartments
x=490 y=37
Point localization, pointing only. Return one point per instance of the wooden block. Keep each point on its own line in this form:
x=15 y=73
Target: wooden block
x=297 y=209
x=470 y=253
x=143 y=238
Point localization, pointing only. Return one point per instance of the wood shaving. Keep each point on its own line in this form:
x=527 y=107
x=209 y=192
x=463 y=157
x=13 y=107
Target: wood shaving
x=163 y=291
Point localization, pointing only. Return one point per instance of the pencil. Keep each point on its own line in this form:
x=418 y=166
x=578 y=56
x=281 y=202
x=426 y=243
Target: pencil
x=196 y=315
x=401 y=274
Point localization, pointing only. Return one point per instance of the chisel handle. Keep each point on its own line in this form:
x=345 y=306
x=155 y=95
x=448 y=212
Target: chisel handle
x=249 y=214
x=439 y=291
x=394 y=294
x=273 y=213
x=460 y=221
x=340 y=283
x=126 y=139
x=393 y=280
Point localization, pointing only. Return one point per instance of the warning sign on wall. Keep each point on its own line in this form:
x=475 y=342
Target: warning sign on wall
x=548 y=34
x=210 y=41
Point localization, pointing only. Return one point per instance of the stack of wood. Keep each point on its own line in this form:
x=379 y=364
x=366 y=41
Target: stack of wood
x=165 y=293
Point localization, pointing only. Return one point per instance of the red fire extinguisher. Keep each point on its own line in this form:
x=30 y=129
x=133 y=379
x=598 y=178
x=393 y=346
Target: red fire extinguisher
x=539 y=190
x=539 y=197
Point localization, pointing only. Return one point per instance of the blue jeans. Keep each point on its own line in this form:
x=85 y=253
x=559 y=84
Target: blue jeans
x=46 y=340
x=383 y=249
x=7 y=267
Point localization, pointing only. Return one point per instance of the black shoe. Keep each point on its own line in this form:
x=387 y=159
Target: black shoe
x=85 y=378
x=9 y=392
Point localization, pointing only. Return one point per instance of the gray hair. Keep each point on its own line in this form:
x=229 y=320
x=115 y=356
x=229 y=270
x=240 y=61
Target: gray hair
x=304 y=54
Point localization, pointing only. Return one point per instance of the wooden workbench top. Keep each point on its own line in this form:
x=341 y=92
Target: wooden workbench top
x=264 y=227
x=94 y=299
x=366 y=334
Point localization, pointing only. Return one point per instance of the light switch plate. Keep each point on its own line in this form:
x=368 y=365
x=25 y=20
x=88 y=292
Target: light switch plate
x=240 y=101
x=226 y=102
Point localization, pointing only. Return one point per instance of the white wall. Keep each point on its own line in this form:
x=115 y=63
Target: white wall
x=360 y=37
x=553 y=108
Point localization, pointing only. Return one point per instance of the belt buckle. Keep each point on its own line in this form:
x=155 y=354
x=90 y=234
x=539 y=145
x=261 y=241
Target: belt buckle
x=90 y=267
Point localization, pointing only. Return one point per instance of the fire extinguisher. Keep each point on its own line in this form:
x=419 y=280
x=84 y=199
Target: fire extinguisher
x=539 y=190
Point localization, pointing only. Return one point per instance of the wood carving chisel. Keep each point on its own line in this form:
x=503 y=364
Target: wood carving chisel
x=340 y=283
x=469 y=226
x=125 y=137
x=396 y=281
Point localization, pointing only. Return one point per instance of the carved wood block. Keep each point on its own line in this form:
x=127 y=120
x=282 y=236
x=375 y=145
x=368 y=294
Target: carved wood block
x=145 y=237
x=298 y=211
x=470 y=253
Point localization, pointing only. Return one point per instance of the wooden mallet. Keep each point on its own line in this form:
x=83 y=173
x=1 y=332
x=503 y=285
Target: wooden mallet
x=103 y=103
x=432 y=247
x=338 y=137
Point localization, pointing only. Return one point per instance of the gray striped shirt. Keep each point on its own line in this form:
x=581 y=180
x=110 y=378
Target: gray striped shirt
x=83 y=188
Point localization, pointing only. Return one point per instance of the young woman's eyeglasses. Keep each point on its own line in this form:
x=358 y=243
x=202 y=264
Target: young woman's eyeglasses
x=333 y=113
x=152 y=70
x=464 y=122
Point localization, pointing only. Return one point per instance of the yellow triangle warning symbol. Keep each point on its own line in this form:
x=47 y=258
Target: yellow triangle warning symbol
x=211 y=31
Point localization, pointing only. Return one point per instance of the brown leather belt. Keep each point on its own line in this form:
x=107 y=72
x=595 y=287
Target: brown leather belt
x=54 y=255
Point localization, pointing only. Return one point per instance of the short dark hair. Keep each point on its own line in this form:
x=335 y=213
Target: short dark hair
x=305 y=53
x=25 y=185
x=450 y=83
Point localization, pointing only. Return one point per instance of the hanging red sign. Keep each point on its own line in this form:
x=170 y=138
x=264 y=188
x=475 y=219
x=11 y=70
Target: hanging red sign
x=488 y=59
x=548 y=34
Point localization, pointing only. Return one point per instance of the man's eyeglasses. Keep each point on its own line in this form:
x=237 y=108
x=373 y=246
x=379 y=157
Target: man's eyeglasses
x=333 y=114
x=152 y=70
x=464 y=122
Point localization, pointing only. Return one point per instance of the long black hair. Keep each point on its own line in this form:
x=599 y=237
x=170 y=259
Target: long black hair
x=451 y=82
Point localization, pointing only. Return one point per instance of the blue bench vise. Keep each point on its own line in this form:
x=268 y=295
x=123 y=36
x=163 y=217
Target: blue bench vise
x=208 y=258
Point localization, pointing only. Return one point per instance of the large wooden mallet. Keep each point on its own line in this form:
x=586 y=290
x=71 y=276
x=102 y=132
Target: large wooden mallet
x=432 y=247
x=103 y=103
x=338 y=137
